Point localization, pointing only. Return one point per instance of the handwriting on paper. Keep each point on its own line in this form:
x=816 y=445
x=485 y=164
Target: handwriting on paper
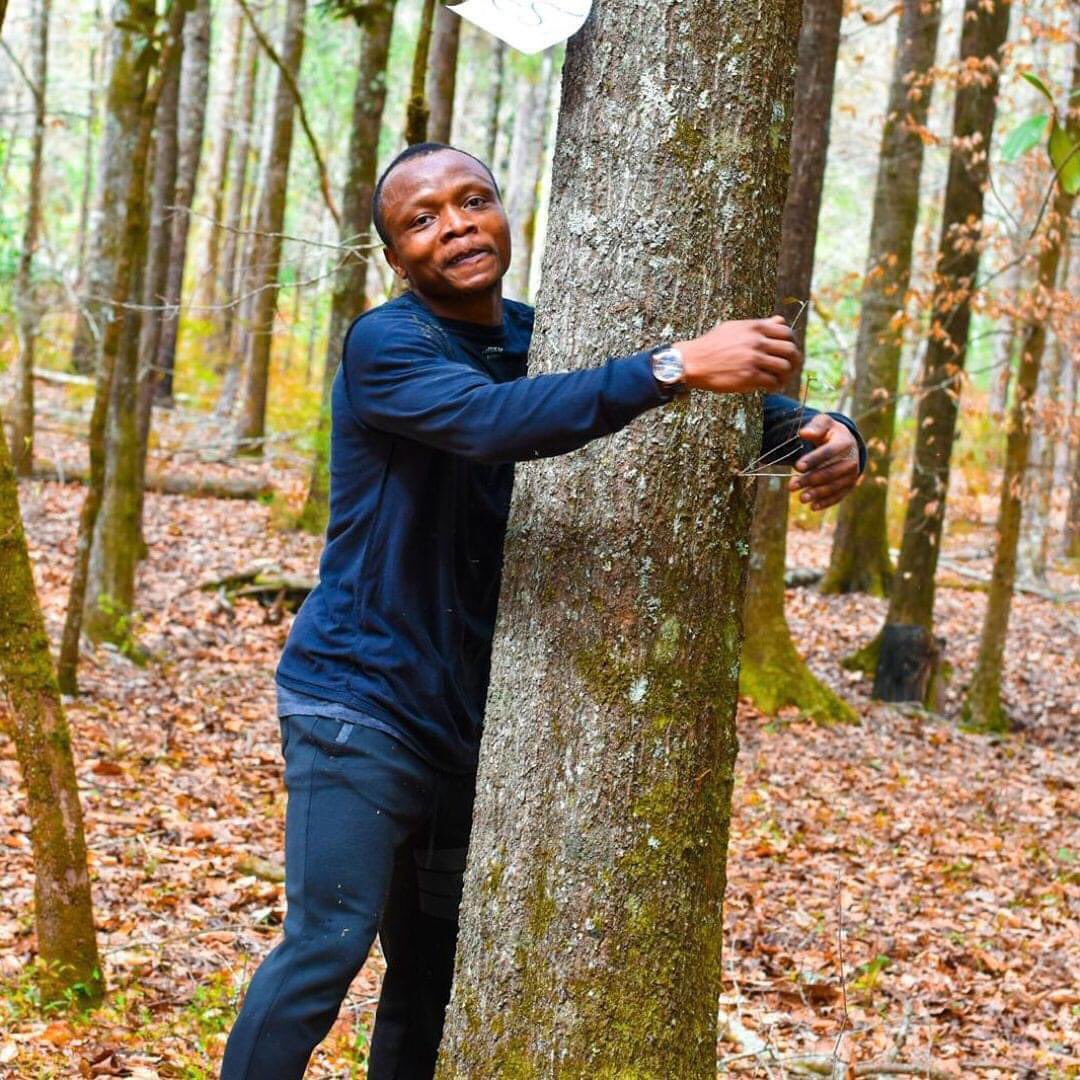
x=530 y=26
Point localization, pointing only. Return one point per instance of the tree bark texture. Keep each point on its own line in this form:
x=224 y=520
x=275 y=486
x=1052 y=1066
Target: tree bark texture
x=28 y=311
x=442 y=73
x=860 y=552
x=63 y=915
x=194 y=86
x=417 y=109
x=982 y=705
x=126 y=99
x=89 y=140
x=224 y=133
x=498 y=61
x=129 y=61
x=1071 y=544
x=985 y=31
x=591 y=927
x=773 y=675
x=369 y=99
x=526 y=166
x=251 y=423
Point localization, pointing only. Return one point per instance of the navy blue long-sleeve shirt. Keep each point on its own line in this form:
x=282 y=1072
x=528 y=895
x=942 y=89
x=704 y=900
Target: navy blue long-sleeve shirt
x=428 y=416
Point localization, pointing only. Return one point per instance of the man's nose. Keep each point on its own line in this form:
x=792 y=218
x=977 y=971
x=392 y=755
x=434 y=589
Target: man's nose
x=456 y=222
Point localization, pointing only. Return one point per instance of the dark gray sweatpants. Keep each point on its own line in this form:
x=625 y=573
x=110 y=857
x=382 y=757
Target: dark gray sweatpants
x=375 y=841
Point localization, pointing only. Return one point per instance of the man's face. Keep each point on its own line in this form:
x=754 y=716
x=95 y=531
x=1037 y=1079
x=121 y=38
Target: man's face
x=449 y=235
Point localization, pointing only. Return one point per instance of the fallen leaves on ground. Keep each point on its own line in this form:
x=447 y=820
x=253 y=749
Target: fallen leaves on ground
x=901 y=883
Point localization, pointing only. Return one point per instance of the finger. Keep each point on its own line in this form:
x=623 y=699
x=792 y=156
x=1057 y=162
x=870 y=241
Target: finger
x=774 y=365
x=827 y=491
x=816 y=459
x=781 y=347
x=816 y=429
x=827 y=474
x=824 y=504
x=777 y=327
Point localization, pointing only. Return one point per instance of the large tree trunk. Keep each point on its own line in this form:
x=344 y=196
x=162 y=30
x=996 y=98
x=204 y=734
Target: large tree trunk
x=526 y=166
x=28 y=312
x=442 y=74
x=224 y=129
x=194 y=85
x=860 y=553
x=911 y=601
x=592 y=919
x=251 y=424
x=369 y=99
x=129 y=98
x=982 y=704
x=63 y=916
x=773 y=674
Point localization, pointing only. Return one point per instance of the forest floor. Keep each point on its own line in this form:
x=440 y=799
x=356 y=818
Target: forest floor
x=901 y=882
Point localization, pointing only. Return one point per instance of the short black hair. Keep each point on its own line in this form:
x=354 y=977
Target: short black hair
x=423 y=149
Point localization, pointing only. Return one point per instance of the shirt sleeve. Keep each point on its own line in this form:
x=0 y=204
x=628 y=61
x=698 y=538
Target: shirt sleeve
x=782 y=420
x=399 y=379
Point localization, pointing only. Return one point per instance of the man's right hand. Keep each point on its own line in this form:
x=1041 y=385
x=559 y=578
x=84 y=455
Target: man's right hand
x=740 y=357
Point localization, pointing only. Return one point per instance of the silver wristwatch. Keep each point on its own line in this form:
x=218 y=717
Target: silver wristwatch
x=668 y=368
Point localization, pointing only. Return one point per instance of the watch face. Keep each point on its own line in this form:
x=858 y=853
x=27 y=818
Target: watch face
x=667 y=366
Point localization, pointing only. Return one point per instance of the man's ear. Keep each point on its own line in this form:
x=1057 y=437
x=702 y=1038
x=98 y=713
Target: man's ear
x=392 y=259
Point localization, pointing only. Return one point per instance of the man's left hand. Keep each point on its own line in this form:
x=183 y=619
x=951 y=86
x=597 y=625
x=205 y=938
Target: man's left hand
x=827 y=473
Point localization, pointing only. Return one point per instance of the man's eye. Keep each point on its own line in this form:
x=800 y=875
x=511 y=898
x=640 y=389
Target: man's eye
x=475 y=200
x=422 y=220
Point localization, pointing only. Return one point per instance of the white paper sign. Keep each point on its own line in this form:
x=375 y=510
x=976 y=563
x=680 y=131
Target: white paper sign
x=530 y=26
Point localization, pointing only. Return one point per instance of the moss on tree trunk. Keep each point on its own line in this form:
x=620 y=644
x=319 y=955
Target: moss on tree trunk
x=592 y=920
x=63 y=916
x=860 y=552
x=417 y=109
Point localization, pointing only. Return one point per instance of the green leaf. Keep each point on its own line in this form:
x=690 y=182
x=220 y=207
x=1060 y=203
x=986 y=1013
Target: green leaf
x=1038 y=84
x=1065 y=154
x=1023 y=137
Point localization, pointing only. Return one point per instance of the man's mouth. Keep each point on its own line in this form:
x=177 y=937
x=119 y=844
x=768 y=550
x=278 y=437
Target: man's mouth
x=463 y=258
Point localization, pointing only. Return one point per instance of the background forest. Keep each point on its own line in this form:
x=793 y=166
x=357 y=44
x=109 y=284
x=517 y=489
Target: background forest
x=184 y=237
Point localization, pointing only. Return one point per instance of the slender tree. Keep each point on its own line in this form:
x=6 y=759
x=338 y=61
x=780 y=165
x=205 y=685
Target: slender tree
x=982 y=704
x=63 y=915
x=89 y=142
x=26 y=302
x=442 y=73
x=911 y=600
x=417 y=109
x=498 y=81
x=773 y=675
x=194 y=86
x=1071 y=542
x=592 y=918
x=251 y=423
x=860 y=552
x=375 y=22
x=132 y=100
x=224 y=134
x=526 y=165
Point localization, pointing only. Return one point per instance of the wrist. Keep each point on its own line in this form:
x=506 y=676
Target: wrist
x=692 y=357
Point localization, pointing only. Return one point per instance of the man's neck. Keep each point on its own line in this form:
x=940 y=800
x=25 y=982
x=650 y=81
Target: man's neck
x=485 y=308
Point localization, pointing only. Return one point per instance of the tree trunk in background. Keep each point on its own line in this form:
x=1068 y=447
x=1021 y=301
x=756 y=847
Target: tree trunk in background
x=498 y=82
x=1071 y=543
x=127 y=66
x=88 y=149
x=1047 y=423
x=3 y=12
x=348 y=300
x=982 y=704
x=63 y=915
x=251 y=424
x=194 y=85
x=442 y=73
x=1015 y=287
x=166 y=148
x=526 y=163
x=592 y=918
x=226 y=286
x=911 y=601
x=224 y=128
x=417 y=109
x=773 y=674
x=28 y=312
x=860 y=552
x=117 y=542
x=129 y=111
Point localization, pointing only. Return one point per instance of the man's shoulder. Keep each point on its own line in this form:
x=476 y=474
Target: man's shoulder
x=401 y=318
